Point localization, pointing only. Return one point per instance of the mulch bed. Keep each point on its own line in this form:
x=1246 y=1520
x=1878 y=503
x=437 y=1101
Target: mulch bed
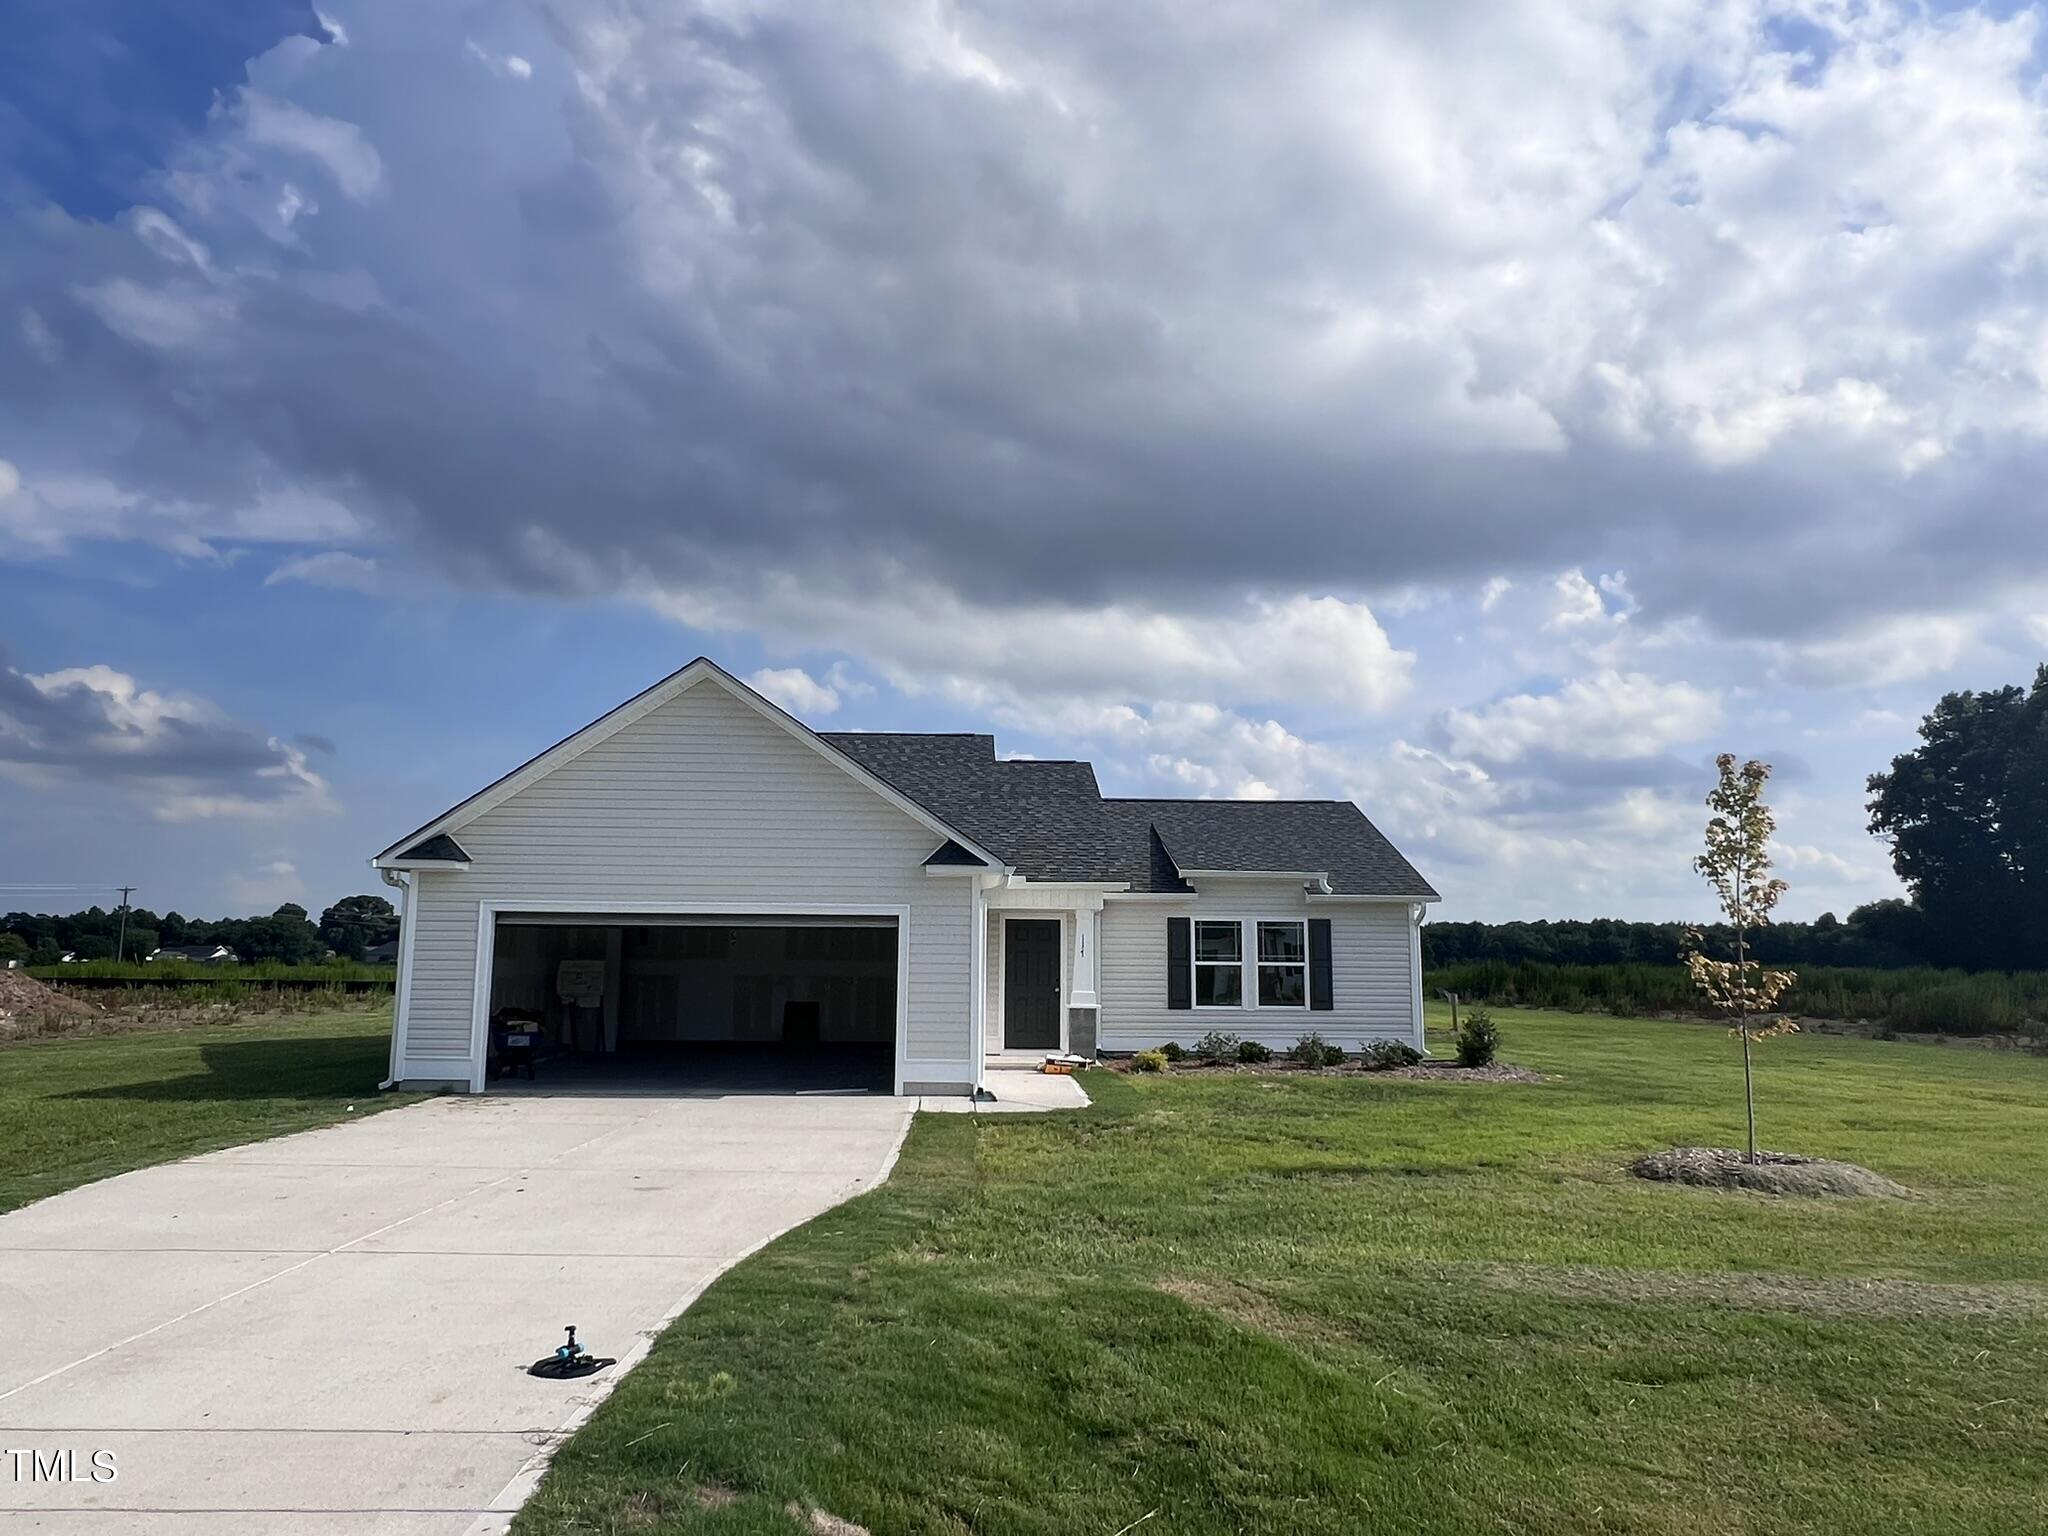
x=1426 y=1071
x=1774 y=1173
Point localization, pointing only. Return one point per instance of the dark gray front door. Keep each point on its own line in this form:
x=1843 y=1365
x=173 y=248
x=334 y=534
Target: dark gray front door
x=1031 y=985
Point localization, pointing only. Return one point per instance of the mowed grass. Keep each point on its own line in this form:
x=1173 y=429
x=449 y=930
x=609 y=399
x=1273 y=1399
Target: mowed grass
x=72 y=1111
x=1287 y=1305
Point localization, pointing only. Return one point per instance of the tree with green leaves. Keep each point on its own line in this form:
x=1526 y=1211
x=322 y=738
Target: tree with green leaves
x=1966 y=814
x=1737 y=864
x=357 y=923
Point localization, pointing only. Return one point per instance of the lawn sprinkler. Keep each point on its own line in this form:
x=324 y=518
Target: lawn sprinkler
x=569 y=1360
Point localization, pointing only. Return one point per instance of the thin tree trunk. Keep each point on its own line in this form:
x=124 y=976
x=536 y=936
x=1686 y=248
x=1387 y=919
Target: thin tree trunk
x=1749 y=1095
x=1742 y=1015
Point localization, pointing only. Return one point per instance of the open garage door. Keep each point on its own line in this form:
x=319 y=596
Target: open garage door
x=693 y=1003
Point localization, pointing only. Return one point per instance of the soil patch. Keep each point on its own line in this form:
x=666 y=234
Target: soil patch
x=1774 y=1173
x=29 y=1007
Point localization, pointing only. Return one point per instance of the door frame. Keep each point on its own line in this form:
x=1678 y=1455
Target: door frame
x=1058 y=919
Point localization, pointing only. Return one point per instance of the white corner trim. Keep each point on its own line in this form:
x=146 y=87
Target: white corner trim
x=1415 y=970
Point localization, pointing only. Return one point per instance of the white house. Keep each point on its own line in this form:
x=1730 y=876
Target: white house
x=698 y=870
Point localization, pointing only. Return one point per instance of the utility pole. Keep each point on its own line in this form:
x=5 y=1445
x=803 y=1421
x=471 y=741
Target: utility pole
x=121 y=944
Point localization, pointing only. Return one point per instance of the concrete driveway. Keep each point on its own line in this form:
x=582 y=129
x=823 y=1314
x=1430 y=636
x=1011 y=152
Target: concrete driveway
x=324 y=1333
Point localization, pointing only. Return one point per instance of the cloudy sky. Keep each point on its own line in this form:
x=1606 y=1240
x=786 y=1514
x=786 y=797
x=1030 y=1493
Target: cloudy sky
x=1486 y=416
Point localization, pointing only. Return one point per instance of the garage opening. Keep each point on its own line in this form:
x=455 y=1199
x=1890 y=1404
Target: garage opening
x=766 y=1003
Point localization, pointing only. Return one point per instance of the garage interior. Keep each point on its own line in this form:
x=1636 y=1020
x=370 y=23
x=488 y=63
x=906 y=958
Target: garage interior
x=704 y=1004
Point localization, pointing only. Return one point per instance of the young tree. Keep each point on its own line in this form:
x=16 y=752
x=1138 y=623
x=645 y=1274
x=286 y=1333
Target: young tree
x=1737 y=864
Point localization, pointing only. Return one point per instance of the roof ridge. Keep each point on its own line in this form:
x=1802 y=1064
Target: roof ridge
x=1196 y=800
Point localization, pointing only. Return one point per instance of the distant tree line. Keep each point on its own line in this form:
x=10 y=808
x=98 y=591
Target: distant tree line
x=348 y=928
x=1874 y=935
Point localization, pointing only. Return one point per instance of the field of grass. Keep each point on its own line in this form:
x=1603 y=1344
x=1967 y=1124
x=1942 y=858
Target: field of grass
x=166 y=971
x=1258 y=1305
x=76 y=1110
x=1908 y=999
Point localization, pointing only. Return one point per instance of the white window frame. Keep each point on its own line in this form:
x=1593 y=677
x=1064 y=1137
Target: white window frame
x=1247 y=964
x=1195 y=964
x=1259 y=962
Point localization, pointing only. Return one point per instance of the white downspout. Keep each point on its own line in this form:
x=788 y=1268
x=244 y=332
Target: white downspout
x=403 y=884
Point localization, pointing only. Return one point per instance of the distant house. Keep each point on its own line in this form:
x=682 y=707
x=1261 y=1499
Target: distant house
x=69 y=957
x=382 y=954
x=196 y=954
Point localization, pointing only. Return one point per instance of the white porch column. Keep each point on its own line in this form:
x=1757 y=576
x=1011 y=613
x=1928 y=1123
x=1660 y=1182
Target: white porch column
x=1081 y=994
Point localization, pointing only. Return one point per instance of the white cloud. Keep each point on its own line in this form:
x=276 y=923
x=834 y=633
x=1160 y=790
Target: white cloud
x=507 y=66
x=331 y=568
x=1303 y=648
x=1896 y=650
x=166 y=319
x=337 y=146
x=796 y=691
x=1607 y=715
x=182 y=755
x=268 y=887
x=48 y=515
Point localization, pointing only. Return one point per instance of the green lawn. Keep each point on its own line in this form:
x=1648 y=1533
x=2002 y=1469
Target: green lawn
x=76 y=1110
x=1259 y=1305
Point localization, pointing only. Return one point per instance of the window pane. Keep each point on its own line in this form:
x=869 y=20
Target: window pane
x=1282 y=941
x=1219 y=986
x=1218 y=941
x=1280 y=986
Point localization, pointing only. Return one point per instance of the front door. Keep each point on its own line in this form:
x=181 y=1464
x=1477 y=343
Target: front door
x=1031 y=985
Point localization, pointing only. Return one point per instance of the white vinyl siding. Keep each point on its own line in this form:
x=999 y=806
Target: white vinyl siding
x=702 y=804
x=1371 y=974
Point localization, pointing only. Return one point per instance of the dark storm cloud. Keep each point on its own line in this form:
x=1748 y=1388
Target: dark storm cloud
x=1027 y=310
x=93 y=726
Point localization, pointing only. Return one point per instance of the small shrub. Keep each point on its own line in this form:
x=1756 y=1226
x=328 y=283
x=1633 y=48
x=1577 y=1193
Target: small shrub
x=1312 y=1050
x=1252 y=1052
x=1216 y=1046
x=1149 y=1061
x=1385 y=1055
x=1173 y=1050
x=1478 y=1039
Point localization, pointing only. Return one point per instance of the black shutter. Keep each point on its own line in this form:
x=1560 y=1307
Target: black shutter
x=1180 y=950
x=1320 y=994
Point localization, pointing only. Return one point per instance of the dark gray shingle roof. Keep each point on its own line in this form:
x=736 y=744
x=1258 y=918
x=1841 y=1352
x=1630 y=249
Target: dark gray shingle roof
x=1050 y=821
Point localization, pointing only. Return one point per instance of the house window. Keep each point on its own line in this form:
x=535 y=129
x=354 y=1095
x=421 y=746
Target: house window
x=1219 y=965
x=1283 y=965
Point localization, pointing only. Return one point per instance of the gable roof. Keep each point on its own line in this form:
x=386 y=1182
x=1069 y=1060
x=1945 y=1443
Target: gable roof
x=1046 y=820
x=1050 y=821
x=569 y=748
x=1329 y=837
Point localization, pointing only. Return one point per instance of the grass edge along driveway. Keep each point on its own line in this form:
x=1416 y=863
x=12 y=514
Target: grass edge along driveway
x=1260 y=1305
x=76 y=1110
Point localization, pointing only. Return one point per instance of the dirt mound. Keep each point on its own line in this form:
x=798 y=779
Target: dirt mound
x=1774 y=1173
x=21 y=993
